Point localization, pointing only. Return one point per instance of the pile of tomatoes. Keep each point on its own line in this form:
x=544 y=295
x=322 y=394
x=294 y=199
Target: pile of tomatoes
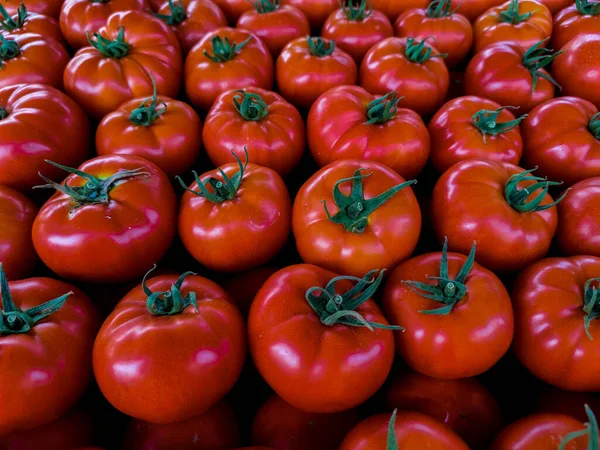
x=299 y=224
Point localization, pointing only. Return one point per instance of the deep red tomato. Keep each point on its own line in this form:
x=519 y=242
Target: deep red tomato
x=355 y=215
x=349 y=123
x=39 y=122
x=316 y=11
x=125 y=56
x=270 y=128
x=47 y=330
x=583 y=17
x=308 y=67
x=313 y=334
x=474 y=128
x=393 y=8
x=223 y=60
x=452 y=32
x=108 y=222
x=415 y=70
x=490 y=202
x=357 y=28
x=553 y=400
x=562 y=138
x=49 y=8
x=242 y=288
x=236 y=217
x=233 y=9
x=24 y=22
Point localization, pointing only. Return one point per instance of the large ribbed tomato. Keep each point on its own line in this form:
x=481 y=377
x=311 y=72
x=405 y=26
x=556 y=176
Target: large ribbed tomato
x=24 y=22
x=583 y=17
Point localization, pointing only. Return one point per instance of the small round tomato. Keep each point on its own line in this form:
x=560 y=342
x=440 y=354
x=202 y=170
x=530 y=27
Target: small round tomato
x=223 y=60
x=313 y=334
x=24 y=22
x=233 y=9
x=472 y=9
x=349 y=123
x=580 y=18
x=41 y=382
x=316 y=11
x=394 y=8
x=50 y=8
x=242 y=288
x=108 y=222
x=270 y=128
x=308 y=67
x=357 y=28
x=414 y=70
x=474 y=128
x=452 y=32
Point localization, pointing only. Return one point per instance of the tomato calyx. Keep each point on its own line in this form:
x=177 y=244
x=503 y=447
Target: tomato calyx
x=537 y=57
x=111 y=49
x=586 y=8
x=177 y=15
x=320 y=47
x=356 y=13
x=486 y=121
x=383 y=109
x=223 y=50
x=593 y=125
x=171 y=302
x=149 y=110
x=419 y=53
x=16 y=321
x=591 y=431
x=354 y=209
x=252 y=107
x=265 y=6
x=392 y=441
x=518 y=198
x=3 y=113
x=511 y=14
x=440 y=8
x=9 y=48
x=591 y=303
x=12 y=24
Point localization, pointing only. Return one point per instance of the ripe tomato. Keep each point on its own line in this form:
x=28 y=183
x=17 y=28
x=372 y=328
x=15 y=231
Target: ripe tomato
x=580 y=18
x=411 y=68
x=556 y=6
x=474 y=128
x=562 y=138
x=472 y=9
x=484 y=201
x=108 y=222
x=47 y=330
x=452 y=32
x=313 y=334
x=118 y=64
x=393 y=8
x=555 y=302
x=223 y=60
x=307 y=67
x=316 y=11
x=262 y=121
x=355 y=215
x=233 y=9
x=357 y=28
x=50 y=8
x=242 y=288
x=24 y=22
x=349 y=123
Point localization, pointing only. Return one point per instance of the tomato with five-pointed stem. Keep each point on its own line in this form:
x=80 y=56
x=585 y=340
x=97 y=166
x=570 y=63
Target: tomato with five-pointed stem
x=583 y=17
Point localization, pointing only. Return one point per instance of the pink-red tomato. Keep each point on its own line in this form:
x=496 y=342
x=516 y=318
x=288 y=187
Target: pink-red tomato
x=583 y=17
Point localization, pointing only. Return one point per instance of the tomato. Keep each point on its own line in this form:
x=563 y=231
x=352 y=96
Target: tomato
x=236 y=217
x=307 y=67
x=555 y=6
x=452 y=32
x=233 y=9
x=50 y=8
x=41 y=382
x=355 y=215
x=270 y=128
x=278 y=424
x=562 y=137
x=78 y=17
x=24 y=22
x=223 y=60
x=393 y=8
x=313 y=334
x=116 y=67
x=472 y=9
x=243 y=288
x=411 y=68
x=356 y=28
x=316 y=11
x=162 y=130
x=39 y=122
x=510 y=75
x=349 y=123
x=580 y=18
x=474 y=128
x=108 y=222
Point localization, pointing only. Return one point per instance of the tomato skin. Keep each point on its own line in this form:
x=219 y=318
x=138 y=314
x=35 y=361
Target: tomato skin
x=337 y=130
x=233 y=9
x=42 y=123
x=37 y=24
x=393 y=8
x=303 y=77
x=50 y=8
x=472 y=9
x=569 y=23
x=289 y=343
x=316 y=11
x=144 y=209
x=244 y=287
x=555 y=6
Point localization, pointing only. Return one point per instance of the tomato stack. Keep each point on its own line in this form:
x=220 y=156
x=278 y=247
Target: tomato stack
x=299 y=224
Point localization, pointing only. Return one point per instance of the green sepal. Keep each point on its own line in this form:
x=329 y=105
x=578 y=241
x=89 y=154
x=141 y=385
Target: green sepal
x=486 y=121
x=518 y=198
x=177 y=15
x=586 y=8
x=419 y=53
x=252 y=106
x=320 y=47
x=438 y=9
x=265 y=6
x=11 y=24
x=9 y=49
x=149 y=110
x=3 y=113
x=591 y=304
x=383 y=109
x=511 y=14
x=223 y=50
x=356 y=12
x=593 y=125
x=111 y=49
x=392 y=441
x=591 y=430
x=171 y=302
x=536 y=58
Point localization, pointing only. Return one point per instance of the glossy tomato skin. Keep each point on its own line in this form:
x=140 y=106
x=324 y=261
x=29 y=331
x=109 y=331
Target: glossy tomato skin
x=337 y=129
x=455 y=138
x=108 y=242
x=205 y=79
x=472 y=9
x=57 y=352
x=49 y=8
x=385 y=68
x=40 y=123
x=101 y=84
x=243 y=288
x=316 y=11
x=394 y=8
x=233 y=9
x=277 y=141
x=37 y=24
x=569 y=23
x=299 y=357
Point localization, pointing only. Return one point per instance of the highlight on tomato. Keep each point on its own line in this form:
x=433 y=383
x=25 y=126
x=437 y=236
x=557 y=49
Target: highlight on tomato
x=23 y=22
x=316 y=11
x=582 y=17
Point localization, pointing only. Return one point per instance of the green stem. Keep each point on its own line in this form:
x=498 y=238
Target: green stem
x=223 y=50
x=3 y=113
x=99 y=1
x=252 y=107
x=9 y=49
x=486 y=121
x=591 y=431
x=591 y=303
x=320 y=47
x=419 y=52
x=265 y=6
x=171 y=302
x=149 y=110
x=356 y=13
x=594 y=125
x=12 y=24
x=383 y=109
x=392 y=441
x=536 y=58
x=518 y=198
x=440 y=8
x=586 y=8
x=111 y=49
x=177 y=15
x=511 y=14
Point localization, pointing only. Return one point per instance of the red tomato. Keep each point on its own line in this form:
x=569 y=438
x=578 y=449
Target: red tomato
x=233 y=9
x=223 y=60
x=357 y=28
x=124 y=58
x=24 y=22
x=316 y=11
x=556 y=6
x=108 y=222
x=349 y=123
x=355 y=215
x=562 y=138
x=393 y=8
x=580 y=18
x=49 y=8
x=472 y=9
x=39 y=122
x=308 y=67
x=414 y=70
x=270 y=128
x=313 y=334
x=47 y=330
x=236 y=217
x=488 y=201
x=474 y=128
x=243 y=288
x=452 y=32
